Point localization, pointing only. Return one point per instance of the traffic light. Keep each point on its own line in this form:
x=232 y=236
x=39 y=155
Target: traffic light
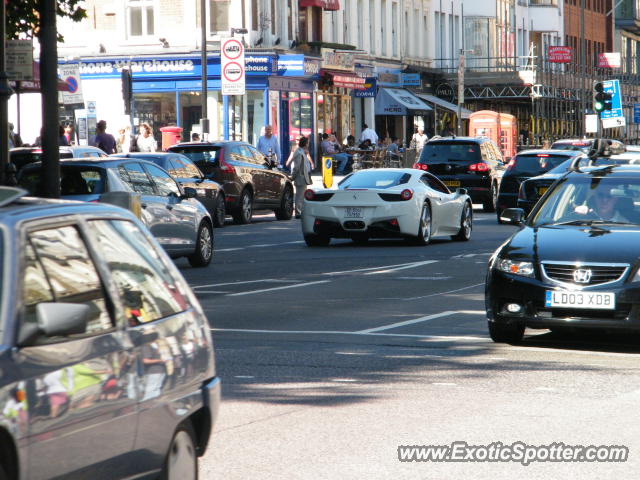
x=601 y=100
x=127 y=93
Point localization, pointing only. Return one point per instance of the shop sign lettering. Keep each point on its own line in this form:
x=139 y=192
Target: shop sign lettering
x=337 y=60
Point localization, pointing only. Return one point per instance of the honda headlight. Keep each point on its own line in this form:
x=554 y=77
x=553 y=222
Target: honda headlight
x=517 y=268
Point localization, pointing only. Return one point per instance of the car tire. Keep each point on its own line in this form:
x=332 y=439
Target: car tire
x=489 y=205
x=285 y=212
x=220 y=212
x=181 y=462
x=360 y=238
x=204 y=246
x=317 y=240
x=466 y=224
x=245 y=208
x=424 y=226
x=506 y=333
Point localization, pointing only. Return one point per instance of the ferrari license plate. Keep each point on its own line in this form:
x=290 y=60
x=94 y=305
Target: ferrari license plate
x=353 y=212
x=581 y=299
x=542 y=190
x=452 y=183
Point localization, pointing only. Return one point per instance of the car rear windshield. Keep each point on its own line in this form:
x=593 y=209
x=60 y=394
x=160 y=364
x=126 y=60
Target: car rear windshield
x=73 y=181
x=198 y=154
x=374 y=179
x=535 y=164
x=454 y=151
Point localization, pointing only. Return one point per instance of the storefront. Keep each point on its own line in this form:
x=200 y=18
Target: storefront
x=291 y=101
x=334 y=102
x=397 y=110
x=445 y=115
x=167 y=91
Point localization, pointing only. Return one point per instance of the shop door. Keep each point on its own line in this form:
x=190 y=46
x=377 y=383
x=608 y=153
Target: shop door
x=190 y=116
x=285 y=139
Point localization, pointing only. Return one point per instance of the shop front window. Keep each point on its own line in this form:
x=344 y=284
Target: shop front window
x=156 y=109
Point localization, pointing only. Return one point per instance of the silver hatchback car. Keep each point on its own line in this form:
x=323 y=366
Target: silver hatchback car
x=171 y=212
x=106 y=361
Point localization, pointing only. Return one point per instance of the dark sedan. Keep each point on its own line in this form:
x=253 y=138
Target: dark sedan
x=574 y=263
x=250 y=180
x=187 y=174
x=22 y=156
x=106 y=359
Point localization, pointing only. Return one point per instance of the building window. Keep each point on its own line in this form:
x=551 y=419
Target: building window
x=140 y=18
x=219 y=15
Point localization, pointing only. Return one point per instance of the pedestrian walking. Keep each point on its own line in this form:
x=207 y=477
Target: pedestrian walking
x=300 y=173
x=269 y=146
x=419 y=139
x=145 y=141
x=104 y=140
x=62 y=140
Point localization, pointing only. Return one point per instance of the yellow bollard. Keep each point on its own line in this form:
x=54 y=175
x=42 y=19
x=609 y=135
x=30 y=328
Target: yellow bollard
x=327 y=172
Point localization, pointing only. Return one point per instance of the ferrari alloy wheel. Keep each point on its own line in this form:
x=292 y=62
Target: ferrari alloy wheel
x=466 y=224
x=424 y=227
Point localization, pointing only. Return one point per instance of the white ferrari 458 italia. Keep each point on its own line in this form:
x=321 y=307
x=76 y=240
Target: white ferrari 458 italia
x=386 y=203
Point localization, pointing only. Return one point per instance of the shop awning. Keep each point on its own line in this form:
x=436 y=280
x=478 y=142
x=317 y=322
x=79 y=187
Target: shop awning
x=444 y=104
x=345 y=79
x=324 y=4
x=399 y=101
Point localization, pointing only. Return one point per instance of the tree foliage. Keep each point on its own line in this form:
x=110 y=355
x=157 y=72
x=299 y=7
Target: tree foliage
x=23 y=19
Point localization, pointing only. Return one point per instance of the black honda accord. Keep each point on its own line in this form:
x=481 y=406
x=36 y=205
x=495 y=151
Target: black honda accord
x=575 y=262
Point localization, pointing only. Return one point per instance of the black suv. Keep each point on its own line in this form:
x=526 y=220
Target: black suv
x=472 y=163
x=249 y=179
x=524 y=165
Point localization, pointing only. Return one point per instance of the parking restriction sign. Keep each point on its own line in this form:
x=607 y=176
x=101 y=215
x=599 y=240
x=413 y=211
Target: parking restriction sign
x=232 y=67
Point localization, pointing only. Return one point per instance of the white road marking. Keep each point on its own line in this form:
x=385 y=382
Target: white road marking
x=210 y=291
x=272 y=280
x=444 y=384
x=411 y=265
x=262 y=245
x=244 y=376
x=444 y=293
x=409 y=322
x=343 y=380
x=423 y=278
x=228 y=249
x=470 y=255
x=297 y=285
x=368 y=269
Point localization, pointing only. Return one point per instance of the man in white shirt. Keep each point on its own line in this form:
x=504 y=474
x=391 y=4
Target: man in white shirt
x=368 y=134
x=419 y=138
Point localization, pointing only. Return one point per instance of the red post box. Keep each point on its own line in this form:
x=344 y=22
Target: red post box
x=170 y=136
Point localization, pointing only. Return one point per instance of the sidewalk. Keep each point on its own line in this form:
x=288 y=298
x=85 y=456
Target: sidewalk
x=317 y=180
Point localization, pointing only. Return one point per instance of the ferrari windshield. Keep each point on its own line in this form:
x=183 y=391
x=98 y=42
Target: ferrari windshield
x=374 y=179
x=589 y=200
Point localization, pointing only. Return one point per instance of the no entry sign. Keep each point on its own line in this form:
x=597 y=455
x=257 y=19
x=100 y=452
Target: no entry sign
x=232 y=66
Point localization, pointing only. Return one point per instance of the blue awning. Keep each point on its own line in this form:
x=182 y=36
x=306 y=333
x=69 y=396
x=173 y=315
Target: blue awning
x=398 y=101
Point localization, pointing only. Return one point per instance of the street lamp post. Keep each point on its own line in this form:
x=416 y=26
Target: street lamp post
x=5 y=93
x=204 y=121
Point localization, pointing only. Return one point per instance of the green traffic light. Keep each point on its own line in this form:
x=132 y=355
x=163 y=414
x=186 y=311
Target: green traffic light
x=598 y=107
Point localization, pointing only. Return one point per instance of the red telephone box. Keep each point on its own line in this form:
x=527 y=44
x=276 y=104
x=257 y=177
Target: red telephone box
x=501 y=128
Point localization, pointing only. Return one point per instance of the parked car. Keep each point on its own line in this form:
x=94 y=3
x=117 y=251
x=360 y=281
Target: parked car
x=187 y=174
x=250 y=180
x=574 y=262
x=181 y=223
x=580 y=144
x=527 y=164
x=474 y=164
x=24 y=155
x=107 y=363
x=533 y=188
x=386 y=202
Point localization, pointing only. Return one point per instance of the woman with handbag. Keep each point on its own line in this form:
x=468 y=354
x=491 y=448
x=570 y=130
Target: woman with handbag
x=300 y=173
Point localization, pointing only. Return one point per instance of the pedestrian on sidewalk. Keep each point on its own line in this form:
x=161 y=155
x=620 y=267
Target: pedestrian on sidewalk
x=145 y=141
x=368 y=134
x=300 y=173
x=269 y=146
x=104 y=140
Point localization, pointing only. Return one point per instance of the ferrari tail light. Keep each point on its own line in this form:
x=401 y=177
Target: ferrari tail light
x=309 y=195
x=420 y=166
x=406 y=194
x=479 y=167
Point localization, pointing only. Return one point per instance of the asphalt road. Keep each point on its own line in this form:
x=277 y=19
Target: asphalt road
x=333 y=357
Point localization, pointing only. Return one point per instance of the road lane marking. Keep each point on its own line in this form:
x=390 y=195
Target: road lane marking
x=217 y=250
x=210 y=291
x=411 y=265
x=444 y=293
x=368 y=269
x=297 y=285
x=409 y=322
x=445 y=384
x=270 y=280
x=471 y=255
x=424 y=278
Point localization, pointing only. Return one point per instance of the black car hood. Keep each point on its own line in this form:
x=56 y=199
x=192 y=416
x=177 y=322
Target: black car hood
x=570 y=243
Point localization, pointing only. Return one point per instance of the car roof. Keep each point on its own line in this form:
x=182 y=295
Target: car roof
x=621 y=170
x=19 y=206
x=549 y=151
x=454 y=138
x=106 y=162
x=219 y=143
